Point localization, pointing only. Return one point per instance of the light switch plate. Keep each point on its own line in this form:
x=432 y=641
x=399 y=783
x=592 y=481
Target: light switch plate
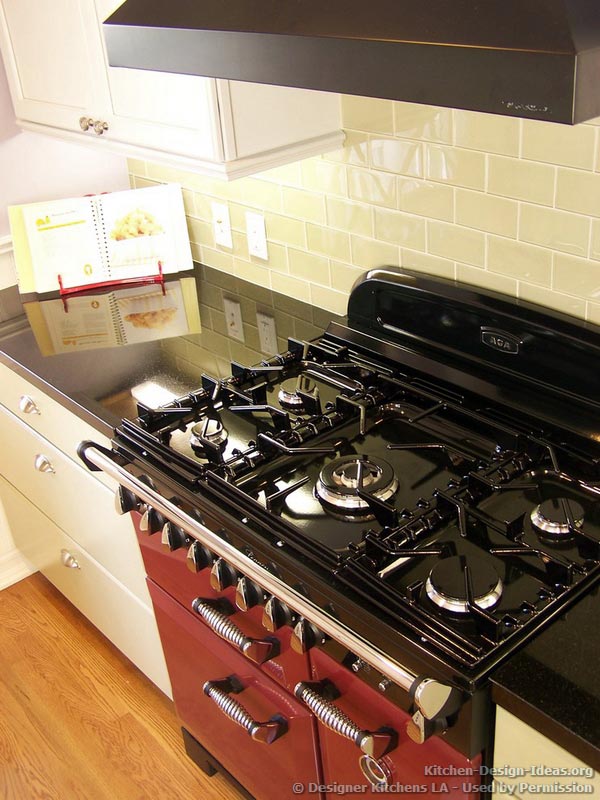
x=257 y=235
x=222 y=225
x=233 y=319
x=267 y=333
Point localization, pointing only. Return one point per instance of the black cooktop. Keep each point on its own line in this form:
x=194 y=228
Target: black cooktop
x=442 y=486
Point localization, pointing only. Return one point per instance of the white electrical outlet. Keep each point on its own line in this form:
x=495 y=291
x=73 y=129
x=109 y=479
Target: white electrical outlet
x=222 y=225
x=257 y=235
x=267 y=333
x=233 y=319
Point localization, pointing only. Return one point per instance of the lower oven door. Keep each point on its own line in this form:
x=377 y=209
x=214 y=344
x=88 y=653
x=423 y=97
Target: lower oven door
x=427 y=770
x=233 y=709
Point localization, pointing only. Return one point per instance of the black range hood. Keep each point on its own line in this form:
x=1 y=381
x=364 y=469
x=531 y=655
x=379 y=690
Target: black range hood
x=538 y=59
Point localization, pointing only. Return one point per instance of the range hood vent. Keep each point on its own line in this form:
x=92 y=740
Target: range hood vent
x=538 y=59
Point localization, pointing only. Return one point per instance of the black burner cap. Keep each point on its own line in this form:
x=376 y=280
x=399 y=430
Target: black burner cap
x=446 y=583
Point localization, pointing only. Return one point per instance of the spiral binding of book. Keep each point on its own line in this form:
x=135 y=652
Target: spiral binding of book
x=117 y=320
x=98 y=215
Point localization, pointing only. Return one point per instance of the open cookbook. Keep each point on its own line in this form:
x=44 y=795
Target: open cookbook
x=81 y=242
x=124 y=316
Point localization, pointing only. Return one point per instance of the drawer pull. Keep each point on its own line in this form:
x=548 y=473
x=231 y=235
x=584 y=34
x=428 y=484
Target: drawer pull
x=215 y=613
x=85 y=123
x=43 y=464
x=68 y=560
x=28 y=405
x=264 y=732
x=374 y=743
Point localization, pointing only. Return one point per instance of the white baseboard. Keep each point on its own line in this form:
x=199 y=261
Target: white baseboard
x=13 y=568
x=8 y=273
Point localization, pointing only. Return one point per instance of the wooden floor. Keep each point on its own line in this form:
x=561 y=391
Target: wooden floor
x=77 y=720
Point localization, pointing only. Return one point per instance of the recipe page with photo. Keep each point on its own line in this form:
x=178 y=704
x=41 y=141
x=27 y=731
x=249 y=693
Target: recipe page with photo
x=143 y=227
x=146 y=313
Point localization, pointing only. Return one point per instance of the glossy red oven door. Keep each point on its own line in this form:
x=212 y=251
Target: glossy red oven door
x=408 y=769
x=169 y=570
x=194 y=655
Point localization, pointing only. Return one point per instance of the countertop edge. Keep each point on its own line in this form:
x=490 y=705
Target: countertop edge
x=68 y=402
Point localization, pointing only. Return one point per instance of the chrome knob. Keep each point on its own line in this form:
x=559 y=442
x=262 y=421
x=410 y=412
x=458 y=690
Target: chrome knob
x=248 y=594
x=28 y=405
x=222 y=575
x=199 y=557
x=100 y=127
x=125 y=501
x=276 y=614
x=173 y=537
x=68 y=560
x=85 y=123
x=359 y=664
x=151 y=521
x=43 y=464
x=305 y=636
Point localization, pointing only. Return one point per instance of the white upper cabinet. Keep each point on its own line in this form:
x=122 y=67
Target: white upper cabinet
x=61 y=84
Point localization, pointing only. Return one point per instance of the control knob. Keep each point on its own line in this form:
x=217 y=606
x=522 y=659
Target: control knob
x=305 y=636
x=125 y=501
x=275 y=615
x=198 y=557
x=152 y=521
x=173 y=537
x=222 y=575
x=248 y=594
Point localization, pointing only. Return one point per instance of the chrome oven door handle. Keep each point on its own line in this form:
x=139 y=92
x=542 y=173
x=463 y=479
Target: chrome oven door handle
x=433 y=698
x=373 y=743
x=263 y=732
x=214 y=614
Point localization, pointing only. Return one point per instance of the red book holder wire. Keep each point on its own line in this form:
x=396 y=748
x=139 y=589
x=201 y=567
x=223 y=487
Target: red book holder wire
x=94 y=288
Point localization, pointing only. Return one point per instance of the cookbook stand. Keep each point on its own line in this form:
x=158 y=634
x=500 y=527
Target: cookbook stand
x=93 y=288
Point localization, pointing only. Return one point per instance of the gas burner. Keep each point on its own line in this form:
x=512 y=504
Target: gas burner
x=446 y=588
x=552 y=517
x=289 y=393
x=209 y=430
x=338 y=485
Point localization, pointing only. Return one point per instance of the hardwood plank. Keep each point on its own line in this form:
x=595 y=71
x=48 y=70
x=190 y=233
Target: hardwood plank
x=77 y=719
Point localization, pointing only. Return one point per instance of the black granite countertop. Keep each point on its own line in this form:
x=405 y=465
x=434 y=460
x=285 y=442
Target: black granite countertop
x=552 y=684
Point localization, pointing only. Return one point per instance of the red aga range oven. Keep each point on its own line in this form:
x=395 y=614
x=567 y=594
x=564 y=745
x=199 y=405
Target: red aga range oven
x=344 y=540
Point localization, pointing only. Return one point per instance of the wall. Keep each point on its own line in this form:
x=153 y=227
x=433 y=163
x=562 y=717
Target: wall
x=499 y=202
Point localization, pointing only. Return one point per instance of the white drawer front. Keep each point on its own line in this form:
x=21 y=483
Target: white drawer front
x=73 y=499
x=114 y=610
x=63 y=428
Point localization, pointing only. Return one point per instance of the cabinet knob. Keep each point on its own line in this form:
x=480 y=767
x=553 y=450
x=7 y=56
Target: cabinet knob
x=100 y=126
x=68 y=560
x=85 y=123
x=43 y=464
x=28 y=405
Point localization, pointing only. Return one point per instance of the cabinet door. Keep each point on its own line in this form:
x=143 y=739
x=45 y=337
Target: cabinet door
x=194 y=656
x=159 y=110
x=45 y=44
